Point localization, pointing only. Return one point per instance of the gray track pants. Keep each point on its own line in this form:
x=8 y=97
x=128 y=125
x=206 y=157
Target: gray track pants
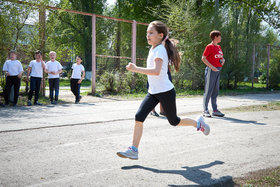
x=212 y=86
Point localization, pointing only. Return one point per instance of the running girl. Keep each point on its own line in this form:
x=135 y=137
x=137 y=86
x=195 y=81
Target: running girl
x=161 y=88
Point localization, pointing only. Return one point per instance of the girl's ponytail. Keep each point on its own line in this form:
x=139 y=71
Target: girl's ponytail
x=173 y=54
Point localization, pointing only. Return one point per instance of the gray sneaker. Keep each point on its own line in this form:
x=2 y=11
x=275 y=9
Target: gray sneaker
x=218 y=113
x=206 y=113
x=129 y=153
x=202 y=126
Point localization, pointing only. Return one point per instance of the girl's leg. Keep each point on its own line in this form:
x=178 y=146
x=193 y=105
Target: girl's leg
x=138 y=131
x=168 y=101
x=188 y=122
x=146 y=106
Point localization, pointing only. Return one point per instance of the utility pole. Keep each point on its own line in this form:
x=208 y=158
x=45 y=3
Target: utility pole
x=42 y=39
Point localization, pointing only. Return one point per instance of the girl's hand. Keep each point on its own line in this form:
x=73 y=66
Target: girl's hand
x=80 y=81
x=131 y=67
x=7 y=74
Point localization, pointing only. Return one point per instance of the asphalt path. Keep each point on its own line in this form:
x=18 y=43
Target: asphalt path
x=76 y=145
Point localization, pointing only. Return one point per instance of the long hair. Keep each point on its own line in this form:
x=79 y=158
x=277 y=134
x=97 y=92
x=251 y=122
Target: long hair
x=172 y=52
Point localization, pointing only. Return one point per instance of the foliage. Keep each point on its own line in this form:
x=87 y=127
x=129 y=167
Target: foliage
x=118 y=82
x=190 y=22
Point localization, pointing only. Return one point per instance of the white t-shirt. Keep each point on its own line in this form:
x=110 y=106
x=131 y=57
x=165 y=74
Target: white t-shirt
x=54 y=66
x=77 y=70
x=37 y=69
x=14 y=67
x=159 y=83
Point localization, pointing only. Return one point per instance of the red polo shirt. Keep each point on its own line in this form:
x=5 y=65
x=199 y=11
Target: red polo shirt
x=213 y=54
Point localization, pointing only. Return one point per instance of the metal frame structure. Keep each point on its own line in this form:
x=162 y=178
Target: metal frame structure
x=94 y=16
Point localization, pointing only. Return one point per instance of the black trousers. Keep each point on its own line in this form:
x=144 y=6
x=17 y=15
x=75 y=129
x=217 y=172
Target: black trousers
x=75 y=88
x=35 y=83
x=10 y=81
x=54 y=87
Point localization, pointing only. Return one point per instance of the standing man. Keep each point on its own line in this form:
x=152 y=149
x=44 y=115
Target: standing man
x=214 y=61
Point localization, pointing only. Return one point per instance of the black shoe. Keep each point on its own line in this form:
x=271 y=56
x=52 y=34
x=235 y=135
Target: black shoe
x=55 y=102
x=29 y=103
x=154 y=114
x=80 y=98
x=37 y=103
x=218 y=113
x=162 y=113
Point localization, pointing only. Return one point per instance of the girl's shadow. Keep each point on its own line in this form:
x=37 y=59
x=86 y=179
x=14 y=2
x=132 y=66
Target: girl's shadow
x=194 y=174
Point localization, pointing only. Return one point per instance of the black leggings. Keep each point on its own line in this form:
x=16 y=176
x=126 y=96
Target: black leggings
x=168 y=102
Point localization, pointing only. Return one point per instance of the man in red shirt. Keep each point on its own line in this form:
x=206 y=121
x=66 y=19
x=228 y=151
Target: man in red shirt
x=214 y=61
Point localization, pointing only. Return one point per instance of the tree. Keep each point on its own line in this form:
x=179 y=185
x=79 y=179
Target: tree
x=72 y=32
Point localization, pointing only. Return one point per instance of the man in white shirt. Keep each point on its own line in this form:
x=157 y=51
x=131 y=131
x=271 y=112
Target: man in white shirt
x=35 y=70
x=14 y=70
x=53 y=69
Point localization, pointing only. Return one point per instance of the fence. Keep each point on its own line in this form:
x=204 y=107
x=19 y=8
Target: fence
x=251 y=57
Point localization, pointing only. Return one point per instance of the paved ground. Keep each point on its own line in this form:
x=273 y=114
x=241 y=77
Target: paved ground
x=75 y=145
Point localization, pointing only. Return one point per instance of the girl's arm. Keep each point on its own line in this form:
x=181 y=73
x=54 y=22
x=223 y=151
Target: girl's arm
x=208 y=63
x=146 y=71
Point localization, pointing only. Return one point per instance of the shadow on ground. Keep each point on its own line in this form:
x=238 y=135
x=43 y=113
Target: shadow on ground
x=194 y=174
x=235 y=120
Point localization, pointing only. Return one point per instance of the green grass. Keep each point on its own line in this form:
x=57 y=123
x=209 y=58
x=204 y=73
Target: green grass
x=267 y=177
x=66 y=82
x=63 y=82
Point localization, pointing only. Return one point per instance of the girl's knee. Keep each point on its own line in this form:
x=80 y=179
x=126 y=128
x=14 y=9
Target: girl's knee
x=175 y=121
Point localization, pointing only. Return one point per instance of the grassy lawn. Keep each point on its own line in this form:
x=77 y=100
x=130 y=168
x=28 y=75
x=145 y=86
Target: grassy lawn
x=267 y=177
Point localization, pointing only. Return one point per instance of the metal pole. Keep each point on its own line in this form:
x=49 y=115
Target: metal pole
x=133 y=47
x=267 y=70
x=42 y=40
x=93 y=53
x=253 y=65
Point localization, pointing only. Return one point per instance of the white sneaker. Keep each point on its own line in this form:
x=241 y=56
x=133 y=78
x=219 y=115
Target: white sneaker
x=202 y=126
x=129 y=153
